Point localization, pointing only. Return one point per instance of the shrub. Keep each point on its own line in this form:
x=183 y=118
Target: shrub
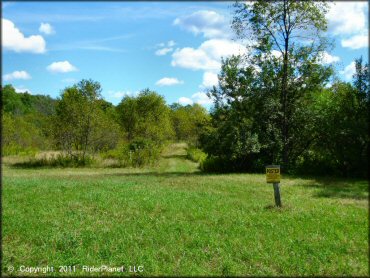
x=196 y=154
x=137 y=153
x=59 y=160
x=15 y=149
x=229 y=165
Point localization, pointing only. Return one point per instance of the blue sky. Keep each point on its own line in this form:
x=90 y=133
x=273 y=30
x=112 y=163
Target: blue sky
x=173 y=48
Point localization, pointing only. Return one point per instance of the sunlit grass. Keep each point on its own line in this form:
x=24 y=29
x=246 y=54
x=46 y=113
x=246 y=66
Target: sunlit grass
x=174 y=220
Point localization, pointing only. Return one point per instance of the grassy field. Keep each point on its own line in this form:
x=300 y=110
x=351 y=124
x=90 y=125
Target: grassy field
x=174 y=220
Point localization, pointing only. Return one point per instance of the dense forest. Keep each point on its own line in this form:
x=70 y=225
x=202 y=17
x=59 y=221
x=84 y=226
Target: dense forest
x=279 y=104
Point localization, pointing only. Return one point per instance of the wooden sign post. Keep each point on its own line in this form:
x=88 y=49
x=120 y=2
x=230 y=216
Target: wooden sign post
x=273 y=176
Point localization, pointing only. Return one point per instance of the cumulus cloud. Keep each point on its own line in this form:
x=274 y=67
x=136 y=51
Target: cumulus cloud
x=13 y=39
x=209 y=23
x=17 y=75
x=326 y=58
x=207 y=56
x=61 y=67
x=46 y=28
x=356 y=42
x=22 y=90
x=121 y=94
x=201 y=98
x=348 y=21
x=210 y=79
x=168 y=81
x=349 y=71
x=185 y=101
x=347 y=17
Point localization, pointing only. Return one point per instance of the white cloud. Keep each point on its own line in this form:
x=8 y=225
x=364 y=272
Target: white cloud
x=349 y=71
x=210 y=79
x=62 y=67
x=209 y=23
x=356 y=42
x=207 y=56
x=17 y=75
x=168 y=81
x=185 y=101
x=22 y=90
x=13 y=39
x=163 y=51
x=121 y=94
x=326 y=58
x=201 y=98
x=46 y=28
x=347 y=18
x=171 y=43
x=165 y=48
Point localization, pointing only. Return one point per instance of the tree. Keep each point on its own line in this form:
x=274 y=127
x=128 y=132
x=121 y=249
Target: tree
x=77 y=118
x=188 y=121
x=287 y=35
x=146 y=116
x=341 y=127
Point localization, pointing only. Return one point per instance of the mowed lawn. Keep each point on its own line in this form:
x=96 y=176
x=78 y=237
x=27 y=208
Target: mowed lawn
x=174 y=220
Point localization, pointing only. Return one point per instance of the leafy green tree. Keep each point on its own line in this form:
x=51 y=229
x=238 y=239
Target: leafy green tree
x=12 y=102
x=288 y=43
x=188 y=121
x=231 y=136
x=145 y=116
x=341 y=130
x=80 y=121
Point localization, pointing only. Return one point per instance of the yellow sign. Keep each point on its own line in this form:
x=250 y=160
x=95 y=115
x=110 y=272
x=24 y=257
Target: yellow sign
x=273 y=173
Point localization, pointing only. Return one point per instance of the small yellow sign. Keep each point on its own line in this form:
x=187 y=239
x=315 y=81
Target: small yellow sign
x=273 y=173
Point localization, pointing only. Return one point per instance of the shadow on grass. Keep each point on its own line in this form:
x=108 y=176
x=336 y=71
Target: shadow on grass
x=158 y=174
x=59 y=162
x=329 y=187
x=179 y=156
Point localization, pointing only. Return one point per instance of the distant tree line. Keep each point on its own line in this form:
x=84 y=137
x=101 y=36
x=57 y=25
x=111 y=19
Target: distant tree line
x=81 y=123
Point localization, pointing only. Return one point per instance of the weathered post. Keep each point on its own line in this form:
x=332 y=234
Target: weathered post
x=273 y=176
x=277 y=194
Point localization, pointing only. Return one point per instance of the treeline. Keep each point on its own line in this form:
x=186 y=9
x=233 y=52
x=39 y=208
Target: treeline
x=281 y=103
x=329 y=129
x=81 y=123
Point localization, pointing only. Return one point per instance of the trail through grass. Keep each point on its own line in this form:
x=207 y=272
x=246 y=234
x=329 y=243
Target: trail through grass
x=174 y=220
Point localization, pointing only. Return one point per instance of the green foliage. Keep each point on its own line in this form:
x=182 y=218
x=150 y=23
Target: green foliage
x=273 y=106
x=20 y=136
x=137 y=153
x=195 y=154
x=81 y=125
x=145 y=116
x=289 y=68
x=342 y=133
x=23 y=103
x=59 y=160
x=189 y=121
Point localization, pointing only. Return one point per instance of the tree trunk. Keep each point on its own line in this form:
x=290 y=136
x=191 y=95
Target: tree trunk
x=284 y=92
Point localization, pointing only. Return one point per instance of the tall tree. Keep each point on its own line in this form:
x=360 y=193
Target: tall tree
x=146 y=116
x=77 y=117
x=290 y=33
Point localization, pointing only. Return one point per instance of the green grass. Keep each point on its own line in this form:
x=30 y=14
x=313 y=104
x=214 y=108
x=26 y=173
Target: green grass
x=174 y=220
